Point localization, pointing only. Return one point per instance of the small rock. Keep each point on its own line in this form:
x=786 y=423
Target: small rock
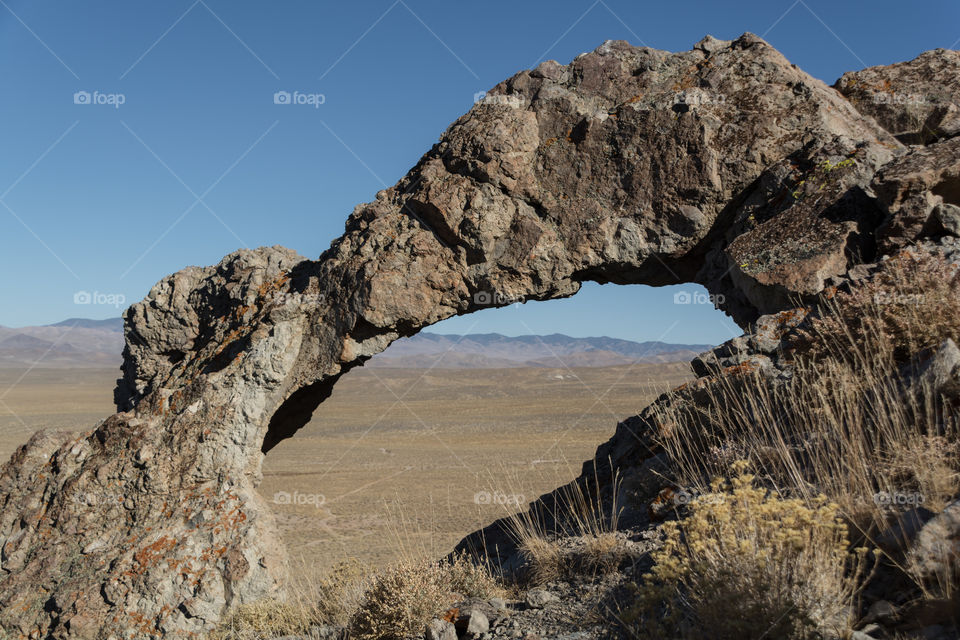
x=881 y=611
x=936 y=550
x=474 y=623
x=547 y=69
x=941 y=372
x=96 y=545
x=900 y=535
x=498 y=603
x=947 y=217
x=324 y=631
x=858 y=272
x=539 y=598
x=869 y=632
x=692 y=214
x=440 y=630
x=709 y=44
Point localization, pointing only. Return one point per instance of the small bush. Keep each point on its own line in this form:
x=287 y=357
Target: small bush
x=403 y=599
x=395 y=603
x=746 y=563
x=543 y=557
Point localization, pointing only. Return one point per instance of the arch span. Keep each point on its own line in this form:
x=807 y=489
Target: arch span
x=629 y=165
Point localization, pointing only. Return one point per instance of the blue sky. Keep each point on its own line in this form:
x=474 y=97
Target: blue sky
x=198 y=160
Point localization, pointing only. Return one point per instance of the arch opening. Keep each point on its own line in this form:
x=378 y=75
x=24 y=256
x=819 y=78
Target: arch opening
x=444 y=432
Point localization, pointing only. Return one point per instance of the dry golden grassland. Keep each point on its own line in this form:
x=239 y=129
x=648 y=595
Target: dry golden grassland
x=395 y=463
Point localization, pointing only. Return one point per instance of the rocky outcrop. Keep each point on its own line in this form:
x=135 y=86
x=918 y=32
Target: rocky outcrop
x=920 y=194
x=723 y=165
x=917 y=101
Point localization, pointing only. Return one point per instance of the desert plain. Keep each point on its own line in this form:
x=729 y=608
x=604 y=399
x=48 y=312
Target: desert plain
x=399 y=462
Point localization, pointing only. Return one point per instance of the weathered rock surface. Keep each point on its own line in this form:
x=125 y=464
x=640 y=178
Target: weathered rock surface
x=917 y=101
x=936 y=551
x=915 y=186
x=723 y=165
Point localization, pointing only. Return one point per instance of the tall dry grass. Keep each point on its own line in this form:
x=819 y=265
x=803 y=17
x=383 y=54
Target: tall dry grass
x=912 y=304
x=848 y=423
x=845 y=430
x=852 y=426
x=572 y=535
x=329 y=599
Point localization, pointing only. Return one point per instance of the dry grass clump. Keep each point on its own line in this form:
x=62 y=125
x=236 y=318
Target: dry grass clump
x=928 y=463
x=265 y=619
x=555 y=557
x=394 y=603
x=404 y=598
x=575 y=537
x=329 y=601
x=746 y=563
x=339 y=592
x=913 y=303
x=599 y=554
x=845 y=430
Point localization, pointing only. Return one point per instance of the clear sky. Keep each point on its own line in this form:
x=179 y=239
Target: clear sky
x=177 y=154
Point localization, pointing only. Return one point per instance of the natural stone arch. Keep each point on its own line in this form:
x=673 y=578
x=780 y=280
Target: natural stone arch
x=629 y=165
x=617 y=168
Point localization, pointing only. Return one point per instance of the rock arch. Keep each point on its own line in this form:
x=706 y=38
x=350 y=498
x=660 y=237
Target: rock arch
x=629 y=165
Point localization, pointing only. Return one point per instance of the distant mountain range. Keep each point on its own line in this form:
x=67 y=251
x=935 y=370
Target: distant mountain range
x=493 y=350
x=76 y=342
x=79 y=342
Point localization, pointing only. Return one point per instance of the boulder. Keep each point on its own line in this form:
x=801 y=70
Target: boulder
x=440 y=630
x=935 y=554
x=540 y=598
x=917 y=101
x=911 y=187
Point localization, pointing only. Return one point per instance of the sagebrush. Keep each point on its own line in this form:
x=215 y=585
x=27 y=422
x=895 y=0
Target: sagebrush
x=747 y=563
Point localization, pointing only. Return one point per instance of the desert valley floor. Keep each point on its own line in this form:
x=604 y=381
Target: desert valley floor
x=396 y=461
